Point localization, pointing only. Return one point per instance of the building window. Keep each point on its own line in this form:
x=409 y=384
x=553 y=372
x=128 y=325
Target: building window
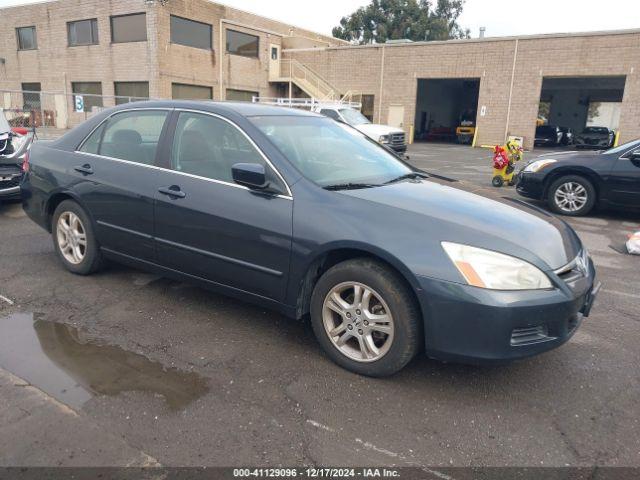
x=91 y=93
x=241 y=95
x=182 y=91
x=131 y=91
x=83 y=32
x=191 y=33
x=129 y=28
x=368 y=106
x=27 y=38
x=31 y=96
x=239 y=43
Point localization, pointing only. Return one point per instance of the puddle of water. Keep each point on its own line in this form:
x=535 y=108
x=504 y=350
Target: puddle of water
x=66 y=363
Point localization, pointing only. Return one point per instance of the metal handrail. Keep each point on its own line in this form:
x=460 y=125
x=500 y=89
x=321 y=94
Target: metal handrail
x=303 y=74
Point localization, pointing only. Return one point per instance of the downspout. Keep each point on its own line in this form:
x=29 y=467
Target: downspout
x=381 y=87
x=513 y=74
x=221 y=49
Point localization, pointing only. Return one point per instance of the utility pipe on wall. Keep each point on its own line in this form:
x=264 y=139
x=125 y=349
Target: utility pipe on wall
x=513 y=74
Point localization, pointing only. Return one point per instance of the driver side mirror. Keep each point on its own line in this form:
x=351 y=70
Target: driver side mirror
x=251 y=175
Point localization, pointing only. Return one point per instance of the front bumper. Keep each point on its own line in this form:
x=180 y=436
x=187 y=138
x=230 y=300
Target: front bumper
x=530 y=185
x=473 y=325
x=10 y=179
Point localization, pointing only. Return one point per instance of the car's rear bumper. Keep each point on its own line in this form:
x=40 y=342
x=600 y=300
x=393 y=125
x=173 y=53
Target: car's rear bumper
x=473 y=325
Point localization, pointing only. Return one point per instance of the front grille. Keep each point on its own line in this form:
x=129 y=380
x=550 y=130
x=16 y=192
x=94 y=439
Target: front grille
x=14 y=182
x=397 y=139
x=3 y=145
x=529 y=335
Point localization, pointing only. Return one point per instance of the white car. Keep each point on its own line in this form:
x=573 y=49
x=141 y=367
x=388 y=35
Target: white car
x=392 y=137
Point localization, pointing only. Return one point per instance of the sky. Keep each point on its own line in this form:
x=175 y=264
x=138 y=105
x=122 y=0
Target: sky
x=500 y=17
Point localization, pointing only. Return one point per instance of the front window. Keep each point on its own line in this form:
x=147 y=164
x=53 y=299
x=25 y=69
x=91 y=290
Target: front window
x=330 y=153
x=624 y=147
x=353 y=117
x=182 y=91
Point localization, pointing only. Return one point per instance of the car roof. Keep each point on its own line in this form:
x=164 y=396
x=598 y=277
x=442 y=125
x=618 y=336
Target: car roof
x=246 y=109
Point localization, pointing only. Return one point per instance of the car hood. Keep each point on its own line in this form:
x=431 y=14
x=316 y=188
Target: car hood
x=501 y=224
x=375 y=131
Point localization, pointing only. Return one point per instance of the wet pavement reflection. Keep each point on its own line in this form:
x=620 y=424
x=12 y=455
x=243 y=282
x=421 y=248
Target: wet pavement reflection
x=72 y=367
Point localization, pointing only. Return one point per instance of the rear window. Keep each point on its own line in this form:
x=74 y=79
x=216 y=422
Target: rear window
x=596 y=130
x=131 y=136
x=545 y=130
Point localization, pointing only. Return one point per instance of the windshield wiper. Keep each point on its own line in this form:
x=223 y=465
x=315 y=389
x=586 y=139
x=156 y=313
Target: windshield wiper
x=350 y=186
x=408 y=176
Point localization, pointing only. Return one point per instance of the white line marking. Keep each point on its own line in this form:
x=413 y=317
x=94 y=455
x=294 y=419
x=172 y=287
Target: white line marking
x=623 y=294
x=371 y=446
x=320 y=426
x=5 y=299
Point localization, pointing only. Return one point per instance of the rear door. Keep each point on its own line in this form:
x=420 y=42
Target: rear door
x=624 y=181
x=210 y=227
x=116 y=173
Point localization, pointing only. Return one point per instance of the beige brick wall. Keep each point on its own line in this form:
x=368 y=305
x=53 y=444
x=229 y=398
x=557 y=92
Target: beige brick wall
x=492 y=61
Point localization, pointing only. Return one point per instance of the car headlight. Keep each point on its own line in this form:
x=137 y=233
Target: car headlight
x=538 y=165
x=384 y=139
x=495 y=271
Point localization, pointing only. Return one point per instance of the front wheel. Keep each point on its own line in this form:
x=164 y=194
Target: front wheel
x=571 y=195
x=497 y=181
x=365 y=318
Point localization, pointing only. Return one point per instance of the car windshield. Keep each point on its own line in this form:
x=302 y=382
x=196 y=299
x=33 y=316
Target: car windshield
x=331 y=153
x=623 y=148
x=545 y=130
x=353 y=117
x=600 y=130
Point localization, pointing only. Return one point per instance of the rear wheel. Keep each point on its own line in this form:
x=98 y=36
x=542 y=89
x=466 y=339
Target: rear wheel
x=365 y=318
x=571 y=195
x=74 y=240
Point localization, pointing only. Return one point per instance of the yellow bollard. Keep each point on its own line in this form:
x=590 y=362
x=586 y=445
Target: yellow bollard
x=411 y=133
x=616 y=139
x=475 y=136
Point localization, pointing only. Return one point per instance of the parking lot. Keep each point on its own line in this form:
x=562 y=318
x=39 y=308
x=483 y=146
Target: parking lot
x=141 y=370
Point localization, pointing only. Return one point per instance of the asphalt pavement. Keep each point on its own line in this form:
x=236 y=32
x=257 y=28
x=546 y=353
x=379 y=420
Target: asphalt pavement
x=126 y=368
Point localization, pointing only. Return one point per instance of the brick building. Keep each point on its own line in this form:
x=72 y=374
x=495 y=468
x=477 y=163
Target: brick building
x=167 y=49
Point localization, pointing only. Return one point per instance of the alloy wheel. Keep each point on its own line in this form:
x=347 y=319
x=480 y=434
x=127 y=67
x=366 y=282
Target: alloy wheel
x=358 y=321
x=72 y=237
x=571 y=197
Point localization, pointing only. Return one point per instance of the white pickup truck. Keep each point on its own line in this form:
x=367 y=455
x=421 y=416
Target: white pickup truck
x=392 y=137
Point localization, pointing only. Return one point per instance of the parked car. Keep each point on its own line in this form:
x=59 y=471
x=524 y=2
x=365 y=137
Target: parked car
x=307 y=216
x=575 y=183
x=548 y=135
x=391 y=137
x=567 y=136
x=14 y=149
x=596 y=137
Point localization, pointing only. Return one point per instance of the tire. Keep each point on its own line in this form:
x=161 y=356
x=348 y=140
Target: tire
x=497 y=181
x=584 y=198
x=81 y=257
x=389 y=298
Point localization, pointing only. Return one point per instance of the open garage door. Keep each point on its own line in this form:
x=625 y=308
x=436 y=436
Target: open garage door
x=579 y=111
x=446 y=109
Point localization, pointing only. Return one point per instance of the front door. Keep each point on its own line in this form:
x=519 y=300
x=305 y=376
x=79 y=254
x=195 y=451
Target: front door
x=396 y=116
x=624 y=180
x=210 y=227
x=116 y=180
x=274 y=62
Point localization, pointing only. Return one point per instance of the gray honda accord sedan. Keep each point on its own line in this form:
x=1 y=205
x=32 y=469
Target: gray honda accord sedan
x=307 y=216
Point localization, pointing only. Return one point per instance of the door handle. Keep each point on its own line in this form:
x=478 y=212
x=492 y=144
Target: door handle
x=173 y=191
x=84 y=169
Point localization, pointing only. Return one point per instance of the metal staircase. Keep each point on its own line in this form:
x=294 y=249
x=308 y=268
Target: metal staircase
x=318 y=89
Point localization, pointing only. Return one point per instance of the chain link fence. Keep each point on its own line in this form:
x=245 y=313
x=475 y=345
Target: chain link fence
x=52 y=113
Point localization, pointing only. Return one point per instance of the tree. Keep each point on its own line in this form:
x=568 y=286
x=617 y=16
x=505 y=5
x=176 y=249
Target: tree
x=415 y=20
